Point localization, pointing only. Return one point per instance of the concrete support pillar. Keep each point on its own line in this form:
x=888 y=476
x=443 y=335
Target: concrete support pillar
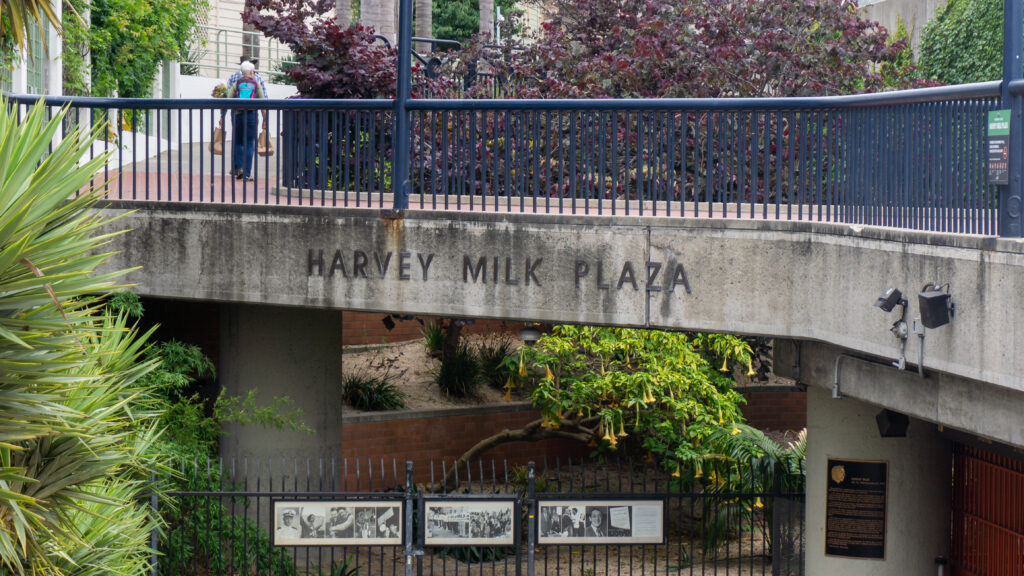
x=919 y=486
x=290 y=352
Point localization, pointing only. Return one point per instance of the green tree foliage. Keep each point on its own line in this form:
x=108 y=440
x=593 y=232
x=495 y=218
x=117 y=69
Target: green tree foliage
x=77 y=422
x=128 y=39
x=963 y=42
x=664 y=387
x=667 y=392
x=460 y=19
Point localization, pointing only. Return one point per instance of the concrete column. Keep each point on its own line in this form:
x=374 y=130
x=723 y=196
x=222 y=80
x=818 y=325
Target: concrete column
x=290 y=352
x=919 y=493
x=54 y=64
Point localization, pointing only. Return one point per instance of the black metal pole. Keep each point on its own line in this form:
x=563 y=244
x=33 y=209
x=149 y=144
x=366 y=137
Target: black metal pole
x=531 y=520
x=400 y=157
x=1011 y=196
x=407 y=531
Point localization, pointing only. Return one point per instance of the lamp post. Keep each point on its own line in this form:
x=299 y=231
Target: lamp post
x=400 y=184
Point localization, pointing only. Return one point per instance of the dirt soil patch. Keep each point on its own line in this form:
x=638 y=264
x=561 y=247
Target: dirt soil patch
x=411 y=369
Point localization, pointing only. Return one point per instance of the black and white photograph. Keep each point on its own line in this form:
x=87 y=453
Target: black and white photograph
x=337 y=523
x=470 y=522
x=601 y=521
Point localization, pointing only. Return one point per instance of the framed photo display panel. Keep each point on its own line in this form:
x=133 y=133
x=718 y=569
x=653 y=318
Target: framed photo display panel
x=634 y=521
x=337 y=522
x=470 y=522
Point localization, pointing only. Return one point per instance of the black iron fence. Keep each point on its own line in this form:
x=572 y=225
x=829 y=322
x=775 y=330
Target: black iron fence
x=228 y=518
x=913 y=159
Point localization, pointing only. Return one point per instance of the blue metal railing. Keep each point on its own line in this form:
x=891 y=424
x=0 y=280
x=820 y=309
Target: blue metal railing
x=912 y=159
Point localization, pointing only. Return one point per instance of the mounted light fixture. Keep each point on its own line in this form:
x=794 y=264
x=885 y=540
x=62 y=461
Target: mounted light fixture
x=529 y=335
x=936 y=309
x=890 y=299
x=892 y=424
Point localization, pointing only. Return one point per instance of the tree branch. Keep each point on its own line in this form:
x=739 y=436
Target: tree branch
x=534 y=431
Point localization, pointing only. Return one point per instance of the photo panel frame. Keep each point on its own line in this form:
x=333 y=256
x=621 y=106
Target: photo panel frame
x=606 y=521
x=337 y=522
x=470 y=521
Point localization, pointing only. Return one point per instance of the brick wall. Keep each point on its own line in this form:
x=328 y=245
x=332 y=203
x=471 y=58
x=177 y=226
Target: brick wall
x=776 y=407
x=368 y=328
x=425 y=436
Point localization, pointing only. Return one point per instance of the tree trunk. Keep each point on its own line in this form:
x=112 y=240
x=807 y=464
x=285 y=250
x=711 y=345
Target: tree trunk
x=381 y=15
x=424 y=24
x=532 y=432
x=452 y=337
x=487 y=17
x=343 y=13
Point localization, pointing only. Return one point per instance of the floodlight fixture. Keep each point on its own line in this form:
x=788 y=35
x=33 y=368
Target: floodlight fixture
x=890 y=299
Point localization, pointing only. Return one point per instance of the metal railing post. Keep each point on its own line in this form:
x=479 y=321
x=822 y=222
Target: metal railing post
x=400 y=137
x=1011 y=196
x=407 y=531
x=531 y=524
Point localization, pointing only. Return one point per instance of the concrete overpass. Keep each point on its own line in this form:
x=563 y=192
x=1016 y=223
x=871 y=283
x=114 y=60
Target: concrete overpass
x=284 y=273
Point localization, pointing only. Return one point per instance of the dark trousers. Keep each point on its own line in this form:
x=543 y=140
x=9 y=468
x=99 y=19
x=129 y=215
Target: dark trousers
x=243 y=141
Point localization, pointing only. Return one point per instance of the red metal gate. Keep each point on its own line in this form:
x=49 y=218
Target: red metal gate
x=988 y=514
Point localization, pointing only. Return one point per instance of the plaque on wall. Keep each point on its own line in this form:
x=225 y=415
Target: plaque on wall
x=855 y=508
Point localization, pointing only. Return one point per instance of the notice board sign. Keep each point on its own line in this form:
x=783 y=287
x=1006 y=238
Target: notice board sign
x=998 y=150
x=855 y=508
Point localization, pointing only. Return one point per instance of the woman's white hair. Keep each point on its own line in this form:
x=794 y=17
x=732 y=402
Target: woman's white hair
x=247 y=67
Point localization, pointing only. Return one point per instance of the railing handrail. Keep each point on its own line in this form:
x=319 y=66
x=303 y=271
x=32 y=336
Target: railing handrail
x=203 y=103
x=914 y=96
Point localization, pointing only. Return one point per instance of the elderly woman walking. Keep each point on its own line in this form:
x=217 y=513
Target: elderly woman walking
x=244 y=134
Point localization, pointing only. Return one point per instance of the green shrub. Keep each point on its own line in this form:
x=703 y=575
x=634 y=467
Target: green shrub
x=433 y=336
x=496 y=361
x=963 y=42
x=372 y=393
x=459 y=375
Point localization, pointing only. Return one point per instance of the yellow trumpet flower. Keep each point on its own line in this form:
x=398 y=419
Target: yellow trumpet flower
x=508 y=395
x=622 y=428
x=735 y=430
x=676 y=474
x=758 y=503
x=750 y=370
x=548 y=375
x=725 y=365
x=522 y=367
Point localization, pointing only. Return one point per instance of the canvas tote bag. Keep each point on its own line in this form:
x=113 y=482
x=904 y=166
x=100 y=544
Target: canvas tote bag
x=264 y=147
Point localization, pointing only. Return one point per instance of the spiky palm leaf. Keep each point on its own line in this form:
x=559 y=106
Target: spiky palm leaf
x=20 y=14
x=75 y=422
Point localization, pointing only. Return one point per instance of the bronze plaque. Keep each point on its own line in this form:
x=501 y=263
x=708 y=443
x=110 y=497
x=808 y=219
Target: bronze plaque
x=855 y=508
